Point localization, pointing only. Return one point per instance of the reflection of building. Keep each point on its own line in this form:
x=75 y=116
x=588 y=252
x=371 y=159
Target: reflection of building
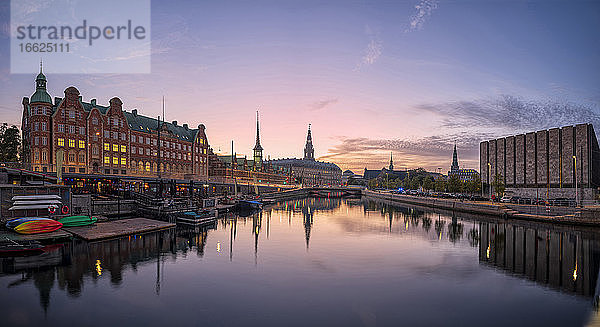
x=563 y=260
x=545 y=163
x=308 y=171
x=463 y=174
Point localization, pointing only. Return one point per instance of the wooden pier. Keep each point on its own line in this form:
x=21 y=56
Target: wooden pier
x=118 y=228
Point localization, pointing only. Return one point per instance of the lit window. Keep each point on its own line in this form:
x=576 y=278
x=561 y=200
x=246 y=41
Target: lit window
x=106 y=147
x=71 y=143
x=115 y=147
x=123 y=161
x=61 y=141
x=81 y=144
x=107 y=160
x=147 y=166
x=115 y=160
x=123 y=148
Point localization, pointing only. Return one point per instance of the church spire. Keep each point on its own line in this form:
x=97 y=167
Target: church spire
x=454 y=166
x=257 y=147
x=309 y=151
x=391 y=162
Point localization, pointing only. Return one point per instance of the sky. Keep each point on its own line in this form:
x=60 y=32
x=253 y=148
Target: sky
x=411 y=78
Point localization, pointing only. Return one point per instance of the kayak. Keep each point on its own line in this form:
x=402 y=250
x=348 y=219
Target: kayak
x=33 y=225
x=74 y=221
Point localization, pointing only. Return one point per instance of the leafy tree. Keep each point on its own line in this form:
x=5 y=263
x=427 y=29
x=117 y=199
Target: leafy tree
x=474 y=184
x=498 y=185
x=454 y=184
x=10 y=143
x=440 y=185
x=428 y=183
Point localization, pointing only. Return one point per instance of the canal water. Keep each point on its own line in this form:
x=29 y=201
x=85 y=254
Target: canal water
x=315 y=262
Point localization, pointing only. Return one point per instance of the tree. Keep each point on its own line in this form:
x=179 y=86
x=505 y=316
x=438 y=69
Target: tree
x=473 y=185
x=454 y=184
x=498 y=185
x=428 y=183
x=440 y=185
x=10 y=143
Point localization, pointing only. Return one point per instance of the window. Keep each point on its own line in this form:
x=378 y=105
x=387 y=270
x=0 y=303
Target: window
x=81 y=144
x=36 y=140
x=44 y=140
x=81 y=157
x=72 y=114
x=106 y=160
x=71 y=143
x=123 y=161
x=82 y=130
x=71 y=129
x=61 y=141
x=71 y=157
x=36 y=156
x=115 y=160
x=141 y=166
x=123 y=148
x=115 y=135
x=133 y=165
x=95 y=138
x=61 y=128
x=44 y=156
x=107 y=134
x=94 y=150
x=133 y=150
x=123 y=136
x=115 y=147
x=115 y=121
x=44 y=126
x=154 y=142
x=147 y=166
x=148 y=140
x=147 y=152
x=95 y=121
x=106 y=147
x=141 y=151
x=36 y=126
x=132 y=138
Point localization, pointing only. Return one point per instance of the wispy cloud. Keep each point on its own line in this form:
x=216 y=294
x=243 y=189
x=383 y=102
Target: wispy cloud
x=322 y=104
x=423 y=11
x=512 y=114
x=373 y=50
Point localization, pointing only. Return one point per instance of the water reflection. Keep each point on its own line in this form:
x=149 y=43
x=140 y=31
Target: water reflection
x=563 y=259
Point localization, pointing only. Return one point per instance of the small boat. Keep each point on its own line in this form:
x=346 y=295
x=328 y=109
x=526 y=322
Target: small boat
x=33 y=225
x=75 y=221
x=11 y=248
x=35 y=197
x=249 y=204
x=33 y=207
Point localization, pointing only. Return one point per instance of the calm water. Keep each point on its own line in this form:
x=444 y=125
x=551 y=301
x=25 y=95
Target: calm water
x=315 y=262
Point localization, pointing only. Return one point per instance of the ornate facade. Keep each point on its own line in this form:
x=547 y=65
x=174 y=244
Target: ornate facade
x=88 y=138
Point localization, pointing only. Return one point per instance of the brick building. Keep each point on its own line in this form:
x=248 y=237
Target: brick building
x=544 y=164
x=89 y=138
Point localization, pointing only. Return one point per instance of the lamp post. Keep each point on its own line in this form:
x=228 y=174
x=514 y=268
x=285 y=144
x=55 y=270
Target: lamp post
x=490 y=179
x=575 y=174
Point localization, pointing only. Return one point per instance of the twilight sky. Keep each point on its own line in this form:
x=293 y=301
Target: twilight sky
x=373 y=77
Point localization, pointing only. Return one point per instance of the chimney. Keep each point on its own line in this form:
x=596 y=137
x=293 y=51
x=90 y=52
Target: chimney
x=185 y=126
x=134 y=112
x=93 y=102
x=174 y=123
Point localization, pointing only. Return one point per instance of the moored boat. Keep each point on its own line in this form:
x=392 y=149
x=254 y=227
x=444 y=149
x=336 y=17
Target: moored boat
x=33 y=225
x=75 y=221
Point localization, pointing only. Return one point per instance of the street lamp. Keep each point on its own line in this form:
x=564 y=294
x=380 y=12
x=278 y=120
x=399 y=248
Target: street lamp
x=490 y=179
x=575 y=174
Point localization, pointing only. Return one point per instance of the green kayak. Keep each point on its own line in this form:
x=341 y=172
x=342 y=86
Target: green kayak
x=74 y=221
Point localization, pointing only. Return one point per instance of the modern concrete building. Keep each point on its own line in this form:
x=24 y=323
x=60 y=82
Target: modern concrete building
x=544 y=164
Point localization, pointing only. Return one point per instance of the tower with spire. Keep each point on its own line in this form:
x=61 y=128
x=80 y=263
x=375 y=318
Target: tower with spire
x=41 y=94
x=309 y=151
x=454 y=168
x=391 y=162
x=257 y=147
